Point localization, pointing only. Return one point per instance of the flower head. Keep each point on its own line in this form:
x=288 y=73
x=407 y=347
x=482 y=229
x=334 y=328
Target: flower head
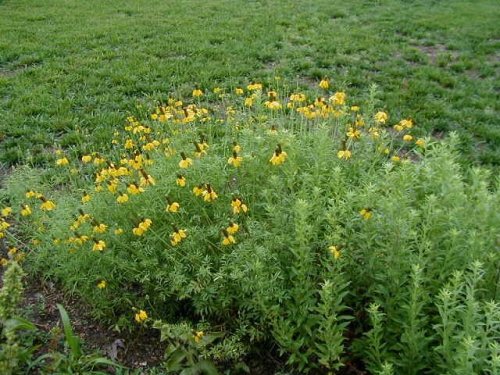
x=197 y=93
x=99 y=245
x=134 y=189
x=198 y=336
x=185 y=161
x=86 y=198
x=198 y=190
x=25 y=210
x=235 y=160
x=209 y=195
x=173 y=207
x=278 y=157
x=335 y=251
x=324 y=84
x=141 y=316
x=62 y=162
x=232 y=228
x=381 y=117
x=407 y=138
x=338 y=98
x=6 y=211
x=86 y=159
x=102 y=284
x=122 y=198
x=181 y=180
x=238 y=206
x=366 y=213
x=344 y=154
x=47 y=205
x=228 y=239
x=420 y=142
x=177 y=236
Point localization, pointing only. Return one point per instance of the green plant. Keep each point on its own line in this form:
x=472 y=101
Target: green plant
x=279 y=218
x=184 y=353
x=72 y=359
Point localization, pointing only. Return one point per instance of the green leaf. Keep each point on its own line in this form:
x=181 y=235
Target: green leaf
x=72 y=340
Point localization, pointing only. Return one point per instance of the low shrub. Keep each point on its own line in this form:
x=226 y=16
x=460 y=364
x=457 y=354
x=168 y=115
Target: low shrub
x=323 y=231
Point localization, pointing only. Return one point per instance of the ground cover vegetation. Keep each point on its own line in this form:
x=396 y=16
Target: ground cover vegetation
x=255 y=180
x=237 y=222
x=68 y=73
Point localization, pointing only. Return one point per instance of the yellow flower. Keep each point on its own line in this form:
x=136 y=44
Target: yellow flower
x=6 y=211
x=198 y=336
x=396 y=159
x=129 y=144
x=335 y=250
x=366 y=213
x=62 y=162
x=177 y=236
x=407 y=138
x=278 y=157
x=185 y=162
x=398 y=127
x=235 y=160
x=381 y=117
x=355 y=108
x=407 y=123
x=32 y=194
x=254 y=87
x=338 y=98
x=249 y=101
x=102 y=284
x=100 y=228
x=232 y=228
x=273 y=105
x=113 y=185
x=141 y=316
x=146 y=179
x=86 y=159
x=122 y=198
x=420 y=142
x=236 y=147
x=134 y=189
x=47 y=205
x=354 y=133
x=142 y=227
x=12 y=251
x=99 y=245
x=197 y=93
x=324 y=84
x=181 y=180
x=208 y=194
x=198 y=190
x=298 y=98
x=228 y=238
x=86 y=198
x=173 y=207
x=238 y=91
x=238 y=206
x=344 y=154
x=138 y=231
x=217 y=90
x=118 y=231
x=26 y=210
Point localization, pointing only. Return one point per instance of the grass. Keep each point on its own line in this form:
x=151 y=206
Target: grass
x=70 y=70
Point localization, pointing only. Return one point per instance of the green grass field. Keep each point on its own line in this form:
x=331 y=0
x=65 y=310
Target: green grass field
x=71 y=70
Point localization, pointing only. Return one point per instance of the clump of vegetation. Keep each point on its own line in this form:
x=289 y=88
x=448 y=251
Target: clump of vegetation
x=20 y=340
x=258 y=219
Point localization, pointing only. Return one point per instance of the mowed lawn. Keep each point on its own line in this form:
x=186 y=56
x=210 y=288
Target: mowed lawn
x=70 y=71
